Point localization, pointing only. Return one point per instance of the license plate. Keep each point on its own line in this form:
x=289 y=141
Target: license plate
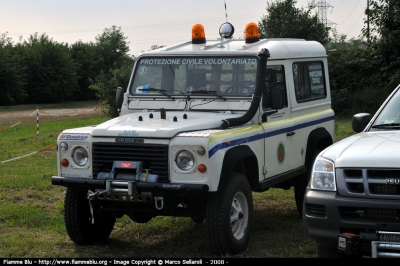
x=342 y=242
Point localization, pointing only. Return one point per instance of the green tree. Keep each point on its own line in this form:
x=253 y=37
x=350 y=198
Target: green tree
x=384 y=35
x=115 y=67
x=11 y=79
x=85 y=59
x=105 y=85
x=50 y=72
x=284 y=20
x=111 y=48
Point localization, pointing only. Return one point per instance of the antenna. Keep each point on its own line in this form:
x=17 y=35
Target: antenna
x=226 y=14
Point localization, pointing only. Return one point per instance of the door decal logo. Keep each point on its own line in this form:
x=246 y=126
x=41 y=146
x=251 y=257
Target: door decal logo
x=281 y=153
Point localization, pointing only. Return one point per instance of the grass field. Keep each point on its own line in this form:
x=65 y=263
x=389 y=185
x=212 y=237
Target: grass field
x=31 y=209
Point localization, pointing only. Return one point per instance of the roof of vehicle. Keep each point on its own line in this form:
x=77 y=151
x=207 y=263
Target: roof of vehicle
x=278 y=48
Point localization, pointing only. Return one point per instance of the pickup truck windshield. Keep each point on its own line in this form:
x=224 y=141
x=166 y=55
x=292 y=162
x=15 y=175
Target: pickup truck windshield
x=389 y=118
x=227 y=76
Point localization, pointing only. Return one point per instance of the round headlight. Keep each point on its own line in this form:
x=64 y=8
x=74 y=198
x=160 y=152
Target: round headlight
x=80 y=156
x=185 y=160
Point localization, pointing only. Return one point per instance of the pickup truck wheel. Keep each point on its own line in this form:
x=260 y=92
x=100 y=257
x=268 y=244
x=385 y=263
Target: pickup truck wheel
x=301 y=184
x=78 y=219
x=229 y=216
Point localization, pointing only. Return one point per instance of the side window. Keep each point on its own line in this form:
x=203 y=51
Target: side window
x=275 y=80
x=309 y=81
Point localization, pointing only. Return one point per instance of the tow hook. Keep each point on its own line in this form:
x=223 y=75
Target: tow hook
x=90 y=196
x=159 y=200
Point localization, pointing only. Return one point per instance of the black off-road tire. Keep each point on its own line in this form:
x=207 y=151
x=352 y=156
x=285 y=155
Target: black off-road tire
x=302 y=182
x=229 y=216
x=78 y=219
x=141 y=217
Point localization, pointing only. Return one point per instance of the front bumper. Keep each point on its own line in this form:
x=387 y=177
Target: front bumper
x=327 y=214
x=127 y=187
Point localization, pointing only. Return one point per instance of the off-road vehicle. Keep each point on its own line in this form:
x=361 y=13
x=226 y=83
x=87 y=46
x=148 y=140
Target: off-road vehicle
x=202 y=125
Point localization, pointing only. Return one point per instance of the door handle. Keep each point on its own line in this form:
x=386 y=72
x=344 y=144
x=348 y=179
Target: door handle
x=289 y=134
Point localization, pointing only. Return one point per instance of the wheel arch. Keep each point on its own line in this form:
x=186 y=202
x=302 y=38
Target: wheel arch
x=243 y=160
x=319 y=139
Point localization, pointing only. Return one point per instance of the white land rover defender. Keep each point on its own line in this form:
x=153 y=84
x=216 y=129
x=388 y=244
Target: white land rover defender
x=352 y=204
x=202 y=125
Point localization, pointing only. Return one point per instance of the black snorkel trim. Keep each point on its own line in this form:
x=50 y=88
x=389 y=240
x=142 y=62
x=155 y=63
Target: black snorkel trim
x=255 y=103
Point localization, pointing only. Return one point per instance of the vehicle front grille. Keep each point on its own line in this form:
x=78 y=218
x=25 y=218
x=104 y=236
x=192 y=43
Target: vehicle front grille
x=369 y=183
x=153 y=156
x=372 y=214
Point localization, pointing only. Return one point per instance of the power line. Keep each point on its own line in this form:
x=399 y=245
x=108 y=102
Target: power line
x=339 y=3
x=142 y=3
x=350 y=13
x=355 y=23
x=148 y=25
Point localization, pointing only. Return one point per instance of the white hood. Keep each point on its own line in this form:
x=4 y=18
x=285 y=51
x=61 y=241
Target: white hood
x=130 y=126
x=367 y=149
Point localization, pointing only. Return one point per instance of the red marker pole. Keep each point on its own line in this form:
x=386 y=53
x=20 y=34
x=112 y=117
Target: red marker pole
x=37 y=120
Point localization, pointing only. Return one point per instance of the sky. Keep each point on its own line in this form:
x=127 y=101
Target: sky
x=152 y=22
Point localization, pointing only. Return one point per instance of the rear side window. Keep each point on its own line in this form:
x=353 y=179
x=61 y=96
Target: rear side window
x=309 y=81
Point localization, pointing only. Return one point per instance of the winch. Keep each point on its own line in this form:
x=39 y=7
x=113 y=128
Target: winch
x=131 y=170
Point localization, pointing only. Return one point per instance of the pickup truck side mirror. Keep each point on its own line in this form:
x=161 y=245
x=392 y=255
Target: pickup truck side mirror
x=360 y=121
x=119 y=98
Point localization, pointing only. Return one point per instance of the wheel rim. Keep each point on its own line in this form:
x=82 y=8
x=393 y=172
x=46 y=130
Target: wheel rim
x=239 y=215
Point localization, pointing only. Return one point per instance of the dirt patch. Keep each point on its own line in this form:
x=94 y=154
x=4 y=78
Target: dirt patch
x=14 y=116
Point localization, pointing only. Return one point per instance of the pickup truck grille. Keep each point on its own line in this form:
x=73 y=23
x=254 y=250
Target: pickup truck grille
x=153 y=156
x=370 y=214
x=369 y=183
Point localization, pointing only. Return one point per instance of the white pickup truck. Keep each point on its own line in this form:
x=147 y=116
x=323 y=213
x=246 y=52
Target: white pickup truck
x=202 y=125
x=352 y=205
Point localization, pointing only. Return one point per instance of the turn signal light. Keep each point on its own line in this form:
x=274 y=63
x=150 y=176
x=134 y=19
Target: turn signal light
x=64 y=162
x=202 y=168
x=198 y=34
x=251 y=33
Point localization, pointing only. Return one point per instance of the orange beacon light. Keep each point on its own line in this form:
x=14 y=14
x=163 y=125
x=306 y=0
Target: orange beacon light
x=198 y=34
x=251 y=33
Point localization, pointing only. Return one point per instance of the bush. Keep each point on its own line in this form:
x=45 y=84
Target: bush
x=106 y=84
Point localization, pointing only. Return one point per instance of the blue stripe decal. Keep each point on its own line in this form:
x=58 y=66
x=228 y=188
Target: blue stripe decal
x=236 y=142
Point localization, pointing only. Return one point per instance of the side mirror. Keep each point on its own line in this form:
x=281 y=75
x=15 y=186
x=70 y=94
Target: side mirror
x=119 y=98
x=360 y=121
x=276 y=98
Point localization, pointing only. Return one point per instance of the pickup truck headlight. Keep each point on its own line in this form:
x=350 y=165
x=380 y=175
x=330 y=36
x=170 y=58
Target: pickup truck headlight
x=80 y=156
x=323 y=175
x=185 y=160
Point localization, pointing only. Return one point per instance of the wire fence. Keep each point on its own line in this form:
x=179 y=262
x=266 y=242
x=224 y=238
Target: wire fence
x=80 y=112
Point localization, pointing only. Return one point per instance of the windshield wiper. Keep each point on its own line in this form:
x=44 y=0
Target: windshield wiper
x=214 y=93
x=164 y=92
x=388 y=126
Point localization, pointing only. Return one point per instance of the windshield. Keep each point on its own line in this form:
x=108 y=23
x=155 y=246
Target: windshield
x=389 y=118
x=227 y=76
